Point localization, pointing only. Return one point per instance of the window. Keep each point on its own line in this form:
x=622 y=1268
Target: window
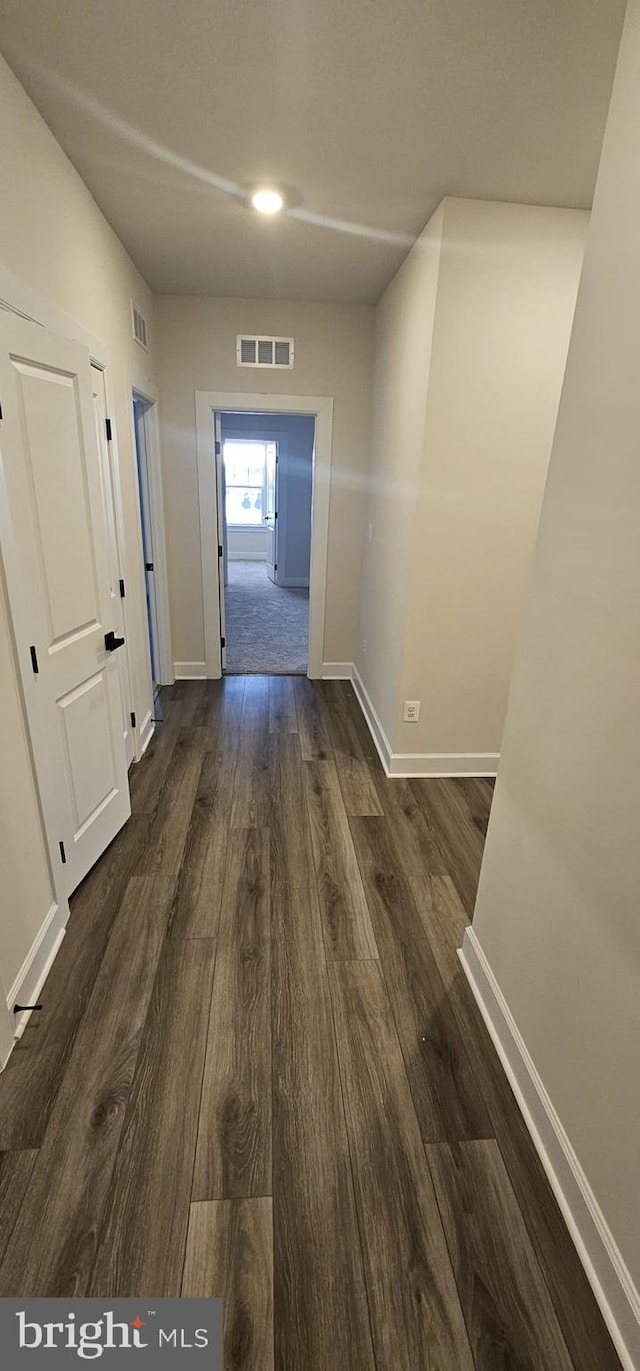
x=245 y=477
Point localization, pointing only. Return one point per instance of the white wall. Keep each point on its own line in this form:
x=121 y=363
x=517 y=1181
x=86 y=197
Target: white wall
x=54 y=237
x=558 y=911
x=197 y=351
x=472 y=337
x=507 y=289
x=246 y=544
x=403 y=332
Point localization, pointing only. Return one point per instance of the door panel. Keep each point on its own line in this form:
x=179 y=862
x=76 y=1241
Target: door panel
x=55 y=552
x=271 y=509
x=220 y=504
x=111 y=496
x=53 y=450
x=92 y=772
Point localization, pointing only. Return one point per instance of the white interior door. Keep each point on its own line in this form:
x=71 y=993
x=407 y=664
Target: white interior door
x=220 y=506
x=271 y=508
x=54 y=545
x=117 y=590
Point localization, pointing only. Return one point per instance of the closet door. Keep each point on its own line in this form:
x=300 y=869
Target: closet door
x=54 y=546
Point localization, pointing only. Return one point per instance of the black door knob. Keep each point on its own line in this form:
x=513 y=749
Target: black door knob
x=111 y=642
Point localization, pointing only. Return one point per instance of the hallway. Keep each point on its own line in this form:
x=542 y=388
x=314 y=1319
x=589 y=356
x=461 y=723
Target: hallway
x=260 y=1071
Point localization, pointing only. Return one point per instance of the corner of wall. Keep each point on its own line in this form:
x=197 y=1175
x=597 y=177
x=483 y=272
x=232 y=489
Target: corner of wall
x=404 y=321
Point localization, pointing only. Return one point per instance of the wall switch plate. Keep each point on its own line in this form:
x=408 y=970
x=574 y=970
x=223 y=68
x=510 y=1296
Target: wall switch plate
x=411 y=712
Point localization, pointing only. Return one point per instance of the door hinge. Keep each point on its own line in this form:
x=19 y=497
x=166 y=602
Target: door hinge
x=34 y=661
x=223 y=642
x=275 y=567
x=219 y=549
x=107 y=424
x=218 y=448
x=63 y=855
x=1 y=414
x=133 y=719
x=148 y=566
x=122 y=589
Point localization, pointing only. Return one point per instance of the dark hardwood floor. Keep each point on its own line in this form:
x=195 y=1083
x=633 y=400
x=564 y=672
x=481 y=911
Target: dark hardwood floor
x=260 y=1072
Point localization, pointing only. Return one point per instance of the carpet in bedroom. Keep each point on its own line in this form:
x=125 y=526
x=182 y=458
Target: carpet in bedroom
x=267 y=626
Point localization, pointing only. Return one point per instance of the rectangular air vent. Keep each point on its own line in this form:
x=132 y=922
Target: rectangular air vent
x=264 y=352
x=139 y=326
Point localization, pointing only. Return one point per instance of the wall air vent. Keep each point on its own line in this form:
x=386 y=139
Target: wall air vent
x=264 y=352
x=139 y=326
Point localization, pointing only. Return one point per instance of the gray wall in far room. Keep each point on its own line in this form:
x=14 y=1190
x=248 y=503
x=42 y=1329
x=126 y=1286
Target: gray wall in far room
x=297 y=432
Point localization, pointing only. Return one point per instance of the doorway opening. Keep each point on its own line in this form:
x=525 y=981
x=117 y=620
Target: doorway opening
x=264 y=465
x=265 y=480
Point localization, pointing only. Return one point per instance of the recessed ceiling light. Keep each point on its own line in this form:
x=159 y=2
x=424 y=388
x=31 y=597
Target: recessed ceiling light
x=267 y=201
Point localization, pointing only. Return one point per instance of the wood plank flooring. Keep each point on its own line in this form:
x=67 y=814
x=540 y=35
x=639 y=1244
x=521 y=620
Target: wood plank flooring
x=260 y=1072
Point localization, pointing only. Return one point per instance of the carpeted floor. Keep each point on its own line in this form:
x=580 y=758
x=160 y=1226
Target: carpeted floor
x=267 y=626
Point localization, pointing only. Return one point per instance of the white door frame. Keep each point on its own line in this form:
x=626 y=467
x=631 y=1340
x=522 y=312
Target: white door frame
x=113 y=492
x=321 y=406
x=17 y=295
x=149 y=398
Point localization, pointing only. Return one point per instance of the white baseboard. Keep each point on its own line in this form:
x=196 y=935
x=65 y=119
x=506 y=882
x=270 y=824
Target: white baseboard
x=420 y=764
x=375 y=727
x=336 y=671
x=609 y=1277
x=436 y=764
x=190 y=671
x=147 y=730
x=36 y=966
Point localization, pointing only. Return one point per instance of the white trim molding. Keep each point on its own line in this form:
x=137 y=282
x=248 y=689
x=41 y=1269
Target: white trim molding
x=375 y=727
x=147 y=730
x=436 y=764
x=608 y=1275
x=22 y=298
x=210 y=402
x=148 y=397
x=419 y=764
x=190 y=671
x=37 y=965
x=336 y=671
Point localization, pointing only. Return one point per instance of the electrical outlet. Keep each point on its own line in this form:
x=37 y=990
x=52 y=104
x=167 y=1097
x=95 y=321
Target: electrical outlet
x=364 y=647
x=370 y=533
x=411 y=712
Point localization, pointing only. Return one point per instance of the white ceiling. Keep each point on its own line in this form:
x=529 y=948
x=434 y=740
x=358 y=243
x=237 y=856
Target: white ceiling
x=367 y=111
